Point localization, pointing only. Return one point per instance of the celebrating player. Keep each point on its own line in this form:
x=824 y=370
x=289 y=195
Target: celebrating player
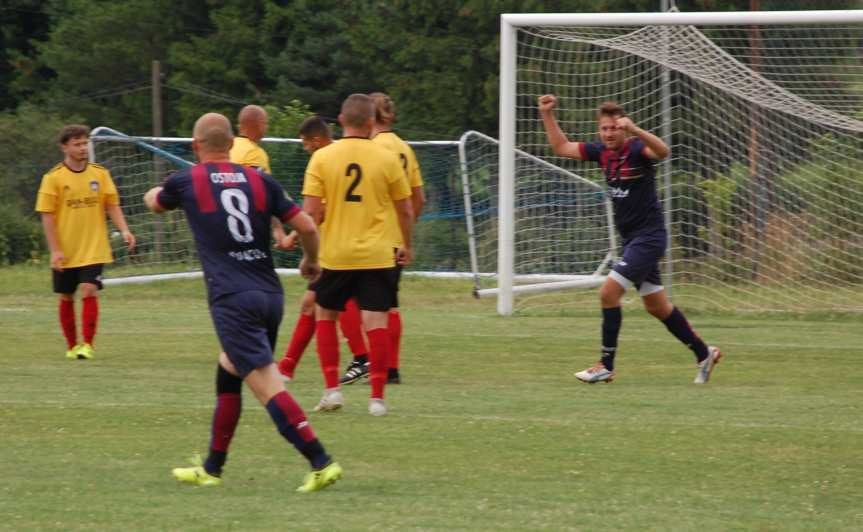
x=315 y=134
x=354 y=184
x=229 y=207
x=73 y=199
x=627 y=154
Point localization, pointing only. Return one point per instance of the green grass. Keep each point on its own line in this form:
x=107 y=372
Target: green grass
x=489 y=431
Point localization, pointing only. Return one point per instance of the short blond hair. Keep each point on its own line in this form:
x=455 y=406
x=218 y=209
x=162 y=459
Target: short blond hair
x=214 y=130
x=357 y=109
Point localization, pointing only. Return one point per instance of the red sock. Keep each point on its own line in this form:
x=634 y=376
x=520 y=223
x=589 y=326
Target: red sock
x=303 y=332
x=225 y=419
x=89 y=318
x=328 y=352
x=350 y=322
x=394 y=326
x=67 y=322
x=379 y=342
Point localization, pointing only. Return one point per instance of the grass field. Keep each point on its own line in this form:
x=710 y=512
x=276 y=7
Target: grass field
x=489 y=430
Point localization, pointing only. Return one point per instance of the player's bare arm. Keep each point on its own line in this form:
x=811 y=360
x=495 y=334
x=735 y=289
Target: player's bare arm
x=119 y=221
x=556 y=138
x=418 y=201
x=57 y=257
x=280 y=238
x=654 y=147
x=404 y=210
x=314 y=207
x=151 y=200
x=307 y=231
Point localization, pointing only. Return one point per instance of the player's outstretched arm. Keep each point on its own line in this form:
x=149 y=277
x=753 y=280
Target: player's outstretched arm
x=151 y=200
x=119 y=221
x=404 y=210
x=654 y=147
x=556 y=138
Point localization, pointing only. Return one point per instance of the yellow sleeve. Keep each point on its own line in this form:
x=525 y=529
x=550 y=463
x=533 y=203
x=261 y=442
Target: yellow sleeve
x=414 y=174
x=313 y=184
x=46 y=200
x=398 y=183
x=111 y=195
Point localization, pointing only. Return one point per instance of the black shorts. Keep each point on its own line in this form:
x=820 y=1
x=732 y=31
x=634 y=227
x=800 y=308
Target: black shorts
x=375 y=290
x=67 y=281
x=247 y=324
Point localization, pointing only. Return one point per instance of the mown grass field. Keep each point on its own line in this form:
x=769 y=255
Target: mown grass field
x=489 y=430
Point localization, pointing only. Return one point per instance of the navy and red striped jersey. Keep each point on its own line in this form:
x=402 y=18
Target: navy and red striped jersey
x=229 y=207
x=631 y=179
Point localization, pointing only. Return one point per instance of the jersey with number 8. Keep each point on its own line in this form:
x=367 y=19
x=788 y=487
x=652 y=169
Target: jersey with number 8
x=229 y=207
x=359 y=181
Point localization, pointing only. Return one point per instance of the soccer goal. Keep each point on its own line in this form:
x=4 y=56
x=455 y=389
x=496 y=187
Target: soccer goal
x=166 y=247
x=763 y=192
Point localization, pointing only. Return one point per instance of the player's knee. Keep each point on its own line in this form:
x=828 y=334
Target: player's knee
x=659 y=310
x=307 y=305
x=609 y=297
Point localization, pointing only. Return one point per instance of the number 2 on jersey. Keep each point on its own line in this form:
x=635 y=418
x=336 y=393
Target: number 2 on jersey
x=354 y=169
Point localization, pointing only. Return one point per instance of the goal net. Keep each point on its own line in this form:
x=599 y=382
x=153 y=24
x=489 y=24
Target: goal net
x=165 y=245
x=763 y=192
x=564 y=235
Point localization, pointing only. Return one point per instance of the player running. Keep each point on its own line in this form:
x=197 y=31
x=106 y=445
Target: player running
x=228 y=207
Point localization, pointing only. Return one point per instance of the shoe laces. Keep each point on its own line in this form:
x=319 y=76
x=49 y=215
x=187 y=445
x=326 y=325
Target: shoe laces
x=596 y=368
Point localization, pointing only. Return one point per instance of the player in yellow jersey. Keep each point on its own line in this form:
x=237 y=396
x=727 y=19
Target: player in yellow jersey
x=315 y=134
x=252 y=123
x=382 y=134
x=72 y=201
x=358 y=187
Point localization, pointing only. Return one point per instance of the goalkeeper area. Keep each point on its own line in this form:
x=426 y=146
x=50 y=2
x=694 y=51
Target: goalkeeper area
x=763 y=191
x=488 y=430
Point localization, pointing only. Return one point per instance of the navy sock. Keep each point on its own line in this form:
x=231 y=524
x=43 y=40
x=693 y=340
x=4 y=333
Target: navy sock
x=292 y=425
x=611 y=320
x=680 y=328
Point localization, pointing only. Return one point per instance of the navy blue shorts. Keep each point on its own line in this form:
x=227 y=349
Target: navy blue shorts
x=247 y=324
x=639 y=265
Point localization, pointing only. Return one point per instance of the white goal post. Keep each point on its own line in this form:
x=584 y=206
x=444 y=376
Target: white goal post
x=809 y=85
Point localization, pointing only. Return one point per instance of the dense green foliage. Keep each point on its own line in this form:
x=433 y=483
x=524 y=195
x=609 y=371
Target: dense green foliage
x=67 y=61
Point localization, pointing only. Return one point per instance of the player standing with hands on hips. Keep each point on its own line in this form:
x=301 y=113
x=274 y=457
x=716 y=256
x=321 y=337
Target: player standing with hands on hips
x=627 y=155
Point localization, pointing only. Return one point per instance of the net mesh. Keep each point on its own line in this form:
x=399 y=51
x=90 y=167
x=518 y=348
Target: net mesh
x=165 y=244
x=766 y=181
x=562 y=228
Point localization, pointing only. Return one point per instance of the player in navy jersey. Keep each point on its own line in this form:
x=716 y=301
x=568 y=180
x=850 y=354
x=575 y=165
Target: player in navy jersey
x=229 y=207
x=627 y=156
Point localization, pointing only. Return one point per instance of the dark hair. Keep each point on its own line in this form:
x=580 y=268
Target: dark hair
x=612 y=109
x=315 y=126
x=73 y=131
